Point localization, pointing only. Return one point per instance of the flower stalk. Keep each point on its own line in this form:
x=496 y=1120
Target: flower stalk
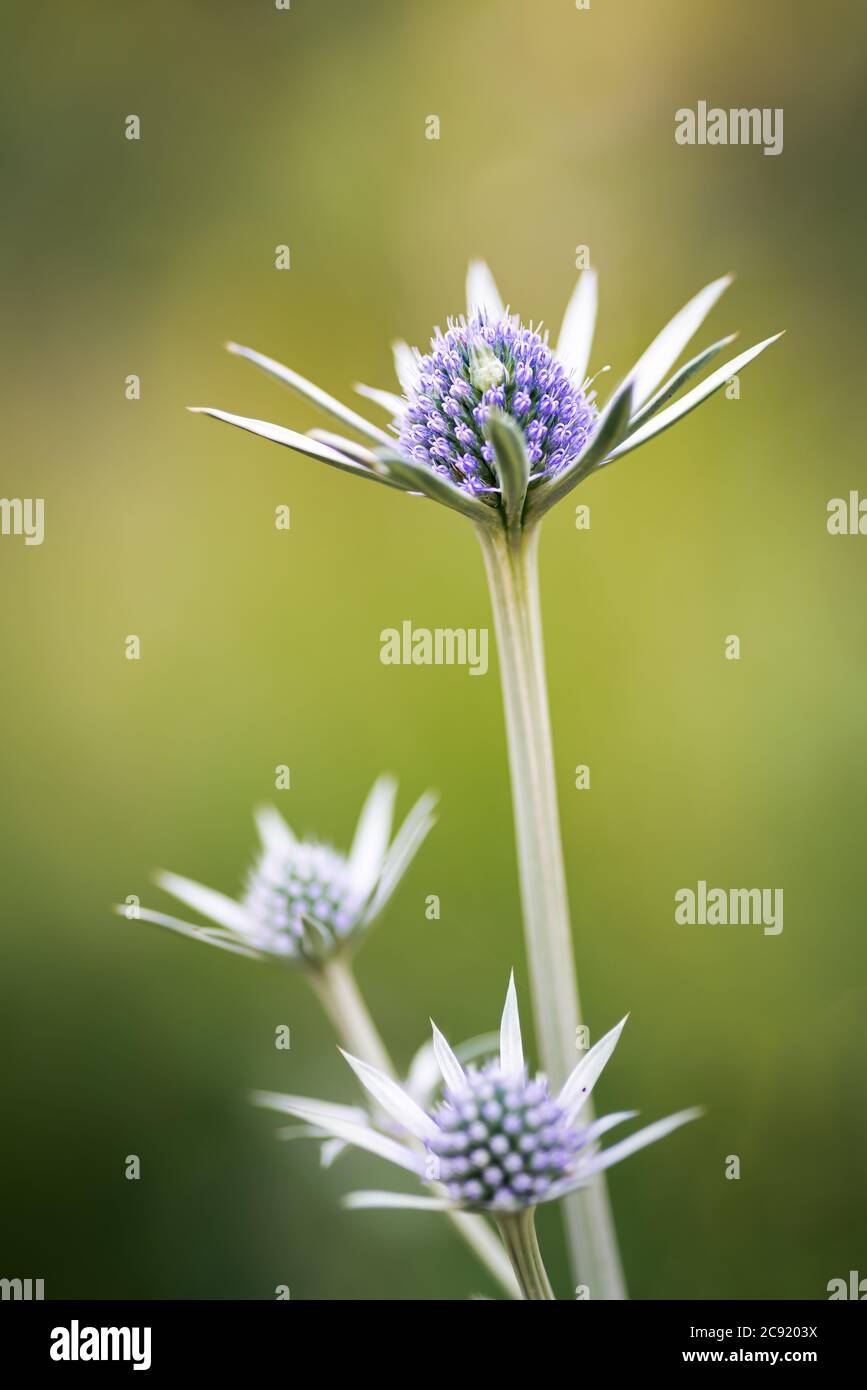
x=511 y=562
x=518 y=1230
x=336 y=988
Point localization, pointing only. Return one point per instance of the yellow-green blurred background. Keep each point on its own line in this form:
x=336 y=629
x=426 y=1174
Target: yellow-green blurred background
x=261 y=647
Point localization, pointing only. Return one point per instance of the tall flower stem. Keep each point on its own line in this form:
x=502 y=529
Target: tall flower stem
x=337 y=990
x=518 y=1230
x=511 y=561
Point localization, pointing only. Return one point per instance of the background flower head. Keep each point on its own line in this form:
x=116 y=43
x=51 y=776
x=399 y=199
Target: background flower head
x=304 y=900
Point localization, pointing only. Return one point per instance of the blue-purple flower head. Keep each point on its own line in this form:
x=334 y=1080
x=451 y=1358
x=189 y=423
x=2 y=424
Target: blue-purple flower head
x=497 y=1141
x=495 y=422
x=501 y=1140
x=304 y=901
x=480 y=366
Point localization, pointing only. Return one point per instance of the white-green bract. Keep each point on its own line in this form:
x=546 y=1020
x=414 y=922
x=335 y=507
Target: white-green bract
x=421 y=1083
x=494 y=422
x=497 y=1142
x=305 y=901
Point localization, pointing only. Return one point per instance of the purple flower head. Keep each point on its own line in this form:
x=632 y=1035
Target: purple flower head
x=501 y=1141
x=482 y=363
x=304 y=900
x=498 y=1141
x=492 y=421
x=288 y=893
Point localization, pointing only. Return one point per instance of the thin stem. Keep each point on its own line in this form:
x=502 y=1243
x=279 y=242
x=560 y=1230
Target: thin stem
x=336 y=988
x=512 y=569
x=518 y=1230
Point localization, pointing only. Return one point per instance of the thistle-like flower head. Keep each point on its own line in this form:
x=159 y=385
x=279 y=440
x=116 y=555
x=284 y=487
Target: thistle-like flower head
x=496 y=423
x=480 y=366
x=497 y=1141
x=502 y=1139
x=304 y=900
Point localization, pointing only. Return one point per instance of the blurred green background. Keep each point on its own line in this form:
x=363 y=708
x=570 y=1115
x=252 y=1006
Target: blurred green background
x=261 y=647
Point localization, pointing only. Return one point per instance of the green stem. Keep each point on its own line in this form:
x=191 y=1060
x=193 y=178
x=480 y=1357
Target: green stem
x=337 y=990
x=512 y=568
x=518 y=1230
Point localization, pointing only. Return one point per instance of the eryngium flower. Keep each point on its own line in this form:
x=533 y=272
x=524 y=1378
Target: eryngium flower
x=303 y=900
x=479 y=366
x=498 y=1141
x=495 y=422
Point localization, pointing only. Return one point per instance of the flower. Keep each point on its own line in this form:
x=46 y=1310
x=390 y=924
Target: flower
x=494 y=422
x=498 y=1141
x=479 y=366
x=304 y=901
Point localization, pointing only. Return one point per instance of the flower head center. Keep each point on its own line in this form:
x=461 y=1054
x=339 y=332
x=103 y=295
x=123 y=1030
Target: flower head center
x=486 y=369
x=502 y=1141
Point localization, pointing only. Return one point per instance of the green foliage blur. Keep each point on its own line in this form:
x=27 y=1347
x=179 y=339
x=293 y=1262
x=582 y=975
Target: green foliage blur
x=261 y=647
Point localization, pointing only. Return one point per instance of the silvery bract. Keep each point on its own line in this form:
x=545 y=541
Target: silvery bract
x=305 y=901
x=422 y=1083
x=498 y=1141
x=494 y=422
